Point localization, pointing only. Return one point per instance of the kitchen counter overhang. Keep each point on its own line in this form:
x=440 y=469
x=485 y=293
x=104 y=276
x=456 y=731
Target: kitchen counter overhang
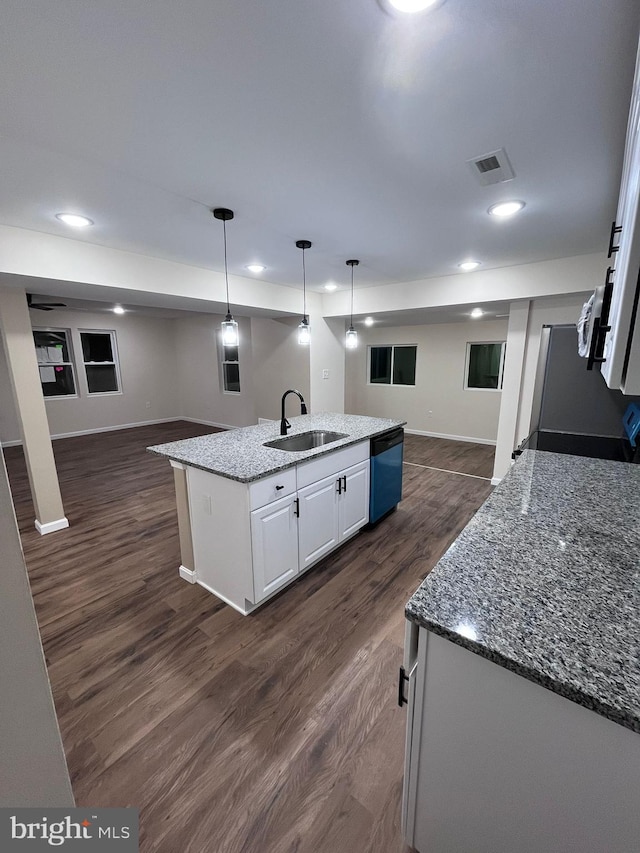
x=240 y=454
x=545 y=581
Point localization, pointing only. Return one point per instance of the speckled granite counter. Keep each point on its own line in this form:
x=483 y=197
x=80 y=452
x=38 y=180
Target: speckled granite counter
x=545 y=581
x=239 y=454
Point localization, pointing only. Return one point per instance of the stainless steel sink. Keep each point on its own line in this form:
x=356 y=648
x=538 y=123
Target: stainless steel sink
x=305 y=440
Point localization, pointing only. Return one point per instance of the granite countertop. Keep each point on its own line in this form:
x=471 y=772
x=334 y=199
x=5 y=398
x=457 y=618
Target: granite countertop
x=239 y=454
x=545 y=581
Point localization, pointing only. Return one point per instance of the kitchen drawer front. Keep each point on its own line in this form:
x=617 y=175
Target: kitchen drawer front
x=272 y=488
x=324 y=466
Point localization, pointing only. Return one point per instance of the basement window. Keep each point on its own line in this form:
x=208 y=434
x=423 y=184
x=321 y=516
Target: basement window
x=55 y=364
x=230 y=370
x=392 y=365
x=485 y=366
x=100 y=359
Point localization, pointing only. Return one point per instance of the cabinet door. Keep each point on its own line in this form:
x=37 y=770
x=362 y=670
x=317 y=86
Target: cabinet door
x=318 y=522
x=354 y=500
x=274 y=540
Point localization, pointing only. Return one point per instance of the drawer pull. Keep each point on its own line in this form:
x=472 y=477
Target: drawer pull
x=278 y=488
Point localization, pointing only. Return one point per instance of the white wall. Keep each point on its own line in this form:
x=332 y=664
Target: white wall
x=438 y=404
x=278 y=363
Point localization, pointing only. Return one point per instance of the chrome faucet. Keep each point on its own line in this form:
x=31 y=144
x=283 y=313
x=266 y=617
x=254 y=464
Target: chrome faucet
x=284 y=423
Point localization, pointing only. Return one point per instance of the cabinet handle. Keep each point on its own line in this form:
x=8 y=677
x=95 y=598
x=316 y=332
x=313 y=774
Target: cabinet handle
x=296 y=510
x=402 y=677
x=278 y=488
x=339 y=485
x=615 y=229
x=344 y=488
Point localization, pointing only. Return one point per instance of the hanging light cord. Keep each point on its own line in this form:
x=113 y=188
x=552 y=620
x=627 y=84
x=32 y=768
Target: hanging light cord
x=304 y=288
x=351 y=323
x=226 y=274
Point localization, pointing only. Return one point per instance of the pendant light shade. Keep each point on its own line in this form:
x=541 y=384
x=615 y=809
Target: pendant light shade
x=304 y=331
x=230 y=336
x=351 y=341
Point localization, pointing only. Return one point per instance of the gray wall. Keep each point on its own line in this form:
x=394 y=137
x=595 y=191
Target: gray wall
x=438 y=404
x=33 y=770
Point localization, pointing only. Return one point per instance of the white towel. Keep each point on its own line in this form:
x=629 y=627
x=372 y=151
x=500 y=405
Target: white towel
x=583 y=327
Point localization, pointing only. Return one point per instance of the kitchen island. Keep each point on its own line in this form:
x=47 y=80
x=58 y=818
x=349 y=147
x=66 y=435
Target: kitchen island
x=252 y=517
x=523 y=662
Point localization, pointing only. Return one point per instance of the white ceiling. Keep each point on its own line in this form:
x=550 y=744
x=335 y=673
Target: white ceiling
x=330 y=121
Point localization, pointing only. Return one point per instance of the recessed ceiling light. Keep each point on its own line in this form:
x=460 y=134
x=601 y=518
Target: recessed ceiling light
x=467 y=266
x=331 y=286
x=118 y=309
x=412 y=6
x=74 y=219
x=255 y=267
x=477 y=312
x=369 y=321
x=506 y=208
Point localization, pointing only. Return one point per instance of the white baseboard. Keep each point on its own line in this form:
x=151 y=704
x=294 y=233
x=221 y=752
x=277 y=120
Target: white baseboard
x=187 y=574
x=10 y=443
x=495 y=481
x=51 y=526
x=206 y=423
x=469 y=438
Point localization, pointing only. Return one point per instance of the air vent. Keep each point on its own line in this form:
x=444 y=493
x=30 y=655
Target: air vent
x=492 y=168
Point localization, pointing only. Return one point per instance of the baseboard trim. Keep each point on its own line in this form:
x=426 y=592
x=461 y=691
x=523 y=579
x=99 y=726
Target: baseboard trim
x=207 y=423
x=469 y=438
x=51 y=526
x=495 y=481
x=187 y=574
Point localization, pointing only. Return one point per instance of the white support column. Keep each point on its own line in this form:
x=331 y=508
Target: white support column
x=32 y=416
x=326 y=363
x=511 y=385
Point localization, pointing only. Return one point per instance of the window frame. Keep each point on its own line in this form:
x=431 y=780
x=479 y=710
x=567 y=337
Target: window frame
x=467 y=362
x=115 y=362
x=226 y=361
x=71 y=363
x=391 y=383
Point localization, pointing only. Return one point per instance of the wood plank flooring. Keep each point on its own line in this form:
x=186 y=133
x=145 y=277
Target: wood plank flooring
x=461 y=457
x=272 y=733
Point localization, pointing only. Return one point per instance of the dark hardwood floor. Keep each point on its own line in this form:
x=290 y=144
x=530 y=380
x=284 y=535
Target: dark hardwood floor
x=270 y=733
x=461 y=457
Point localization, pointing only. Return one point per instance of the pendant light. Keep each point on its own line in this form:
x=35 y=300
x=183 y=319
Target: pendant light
x=230 y=337
x=304 y=332
x=351 y=341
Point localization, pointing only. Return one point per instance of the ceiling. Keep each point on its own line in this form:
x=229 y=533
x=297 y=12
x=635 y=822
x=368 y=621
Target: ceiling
x=331 y=121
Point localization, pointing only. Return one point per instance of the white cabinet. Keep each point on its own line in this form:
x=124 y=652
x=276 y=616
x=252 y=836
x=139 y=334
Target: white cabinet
x=318 y=530
x=621 y=368
x=496 y=762
x=250 y=540
x=331 y=511
x=274 y=542
x=353 y=500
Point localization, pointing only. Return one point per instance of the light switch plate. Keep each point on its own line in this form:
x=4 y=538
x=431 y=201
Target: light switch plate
x=325 y=374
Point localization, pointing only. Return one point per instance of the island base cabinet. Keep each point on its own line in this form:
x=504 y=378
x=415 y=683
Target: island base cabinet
x=318 y=531
x=274 y=541
x=497 y=764
x=332 y=510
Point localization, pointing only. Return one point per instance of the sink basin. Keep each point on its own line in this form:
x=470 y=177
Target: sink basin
x=305 y=440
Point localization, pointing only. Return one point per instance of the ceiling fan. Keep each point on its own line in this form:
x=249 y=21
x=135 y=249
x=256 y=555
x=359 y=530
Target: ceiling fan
x=43 y=306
